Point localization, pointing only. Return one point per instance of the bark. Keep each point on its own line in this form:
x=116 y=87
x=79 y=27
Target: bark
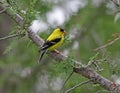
x=89 y=73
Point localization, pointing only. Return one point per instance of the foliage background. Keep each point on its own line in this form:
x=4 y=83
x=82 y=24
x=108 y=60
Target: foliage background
x=91 y=26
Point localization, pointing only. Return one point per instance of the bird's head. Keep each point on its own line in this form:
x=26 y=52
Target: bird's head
x=60 y=31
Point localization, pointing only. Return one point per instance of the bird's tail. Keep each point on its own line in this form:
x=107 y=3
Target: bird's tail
x=41 y=55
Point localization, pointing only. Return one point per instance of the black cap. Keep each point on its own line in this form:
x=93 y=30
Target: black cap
x=62 y=30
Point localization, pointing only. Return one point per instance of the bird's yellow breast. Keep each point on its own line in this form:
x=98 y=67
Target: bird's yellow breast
x=57 y=44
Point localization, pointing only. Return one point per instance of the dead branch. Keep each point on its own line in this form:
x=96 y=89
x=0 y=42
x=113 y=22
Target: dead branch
x=108 y=44
x=66 y=81
x=78 y=85
x=11 y=36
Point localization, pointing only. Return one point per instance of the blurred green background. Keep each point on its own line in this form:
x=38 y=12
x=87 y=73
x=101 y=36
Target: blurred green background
x=89 y=24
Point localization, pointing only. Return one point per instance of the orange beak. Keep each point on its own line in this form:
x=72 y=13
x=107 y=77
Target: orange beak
x=65 y=32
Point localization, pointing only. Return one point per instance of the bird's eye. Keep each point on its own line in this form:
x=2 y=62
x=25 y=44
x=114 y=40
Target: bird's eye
x=62 y=30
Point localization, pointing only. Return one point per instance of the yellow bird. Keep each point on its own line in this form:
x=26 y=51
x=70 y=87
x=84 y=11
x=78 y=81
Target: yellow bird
x=53 y=41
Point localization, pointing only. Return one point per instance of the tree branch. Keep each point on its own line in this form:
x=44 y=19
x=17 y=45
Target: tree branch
x=108 y=44
x=87 y=72
x=78 y=85
x=66 y=81
x=2 y=10
x=116 y=3
x=11 y=36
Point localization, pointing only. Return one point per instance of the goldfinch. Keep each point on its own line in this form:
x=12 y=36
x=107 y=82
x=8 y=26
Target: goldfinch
x=53 y=41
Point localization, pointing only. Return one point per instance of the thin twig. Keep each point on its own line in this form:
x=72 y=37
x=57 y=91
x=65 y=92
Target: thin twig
x=66 y=81
x=98 y=68
x=106 y=91
x=11 y=36
x=116 y=3
x=78 y=85
x=108 y=44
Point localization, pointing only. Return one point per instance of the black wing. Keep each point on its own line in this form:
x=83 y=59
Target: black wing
x=48 y=44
